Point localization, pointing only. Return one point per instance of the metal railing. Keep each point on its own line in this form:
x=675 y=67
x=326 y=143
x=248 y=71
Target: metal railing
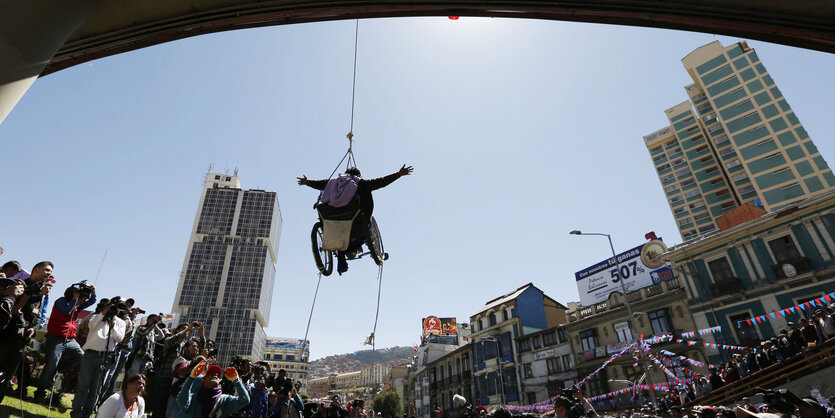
x=798 y=365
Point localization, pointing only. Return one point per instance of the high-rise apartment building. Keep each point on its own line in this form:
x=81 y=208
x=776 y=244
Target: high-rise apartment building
x=735 y=141
x=229 y=267
x=290 y=354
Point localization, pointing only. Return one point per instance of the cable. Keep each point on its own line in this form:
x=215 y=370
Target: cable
x=376 y=316
x=310 y=317
x=354 y=83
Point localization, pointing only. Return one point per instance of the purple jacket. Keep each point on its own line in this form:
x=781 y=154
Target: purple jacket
x=340 y=190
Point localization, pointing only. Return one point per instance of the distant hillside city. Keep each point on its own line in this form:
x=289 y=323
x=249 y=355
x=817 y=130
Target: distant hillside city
x=356 y=361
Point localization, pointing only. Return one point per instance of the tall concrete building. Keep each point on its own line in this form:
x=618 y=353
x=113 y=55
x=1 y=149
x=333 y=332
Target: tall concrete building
x=735 y=141
x=229 y=267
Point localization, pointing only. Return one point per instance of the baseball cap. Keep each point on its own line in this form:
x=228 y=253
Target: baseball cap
x=214 y=369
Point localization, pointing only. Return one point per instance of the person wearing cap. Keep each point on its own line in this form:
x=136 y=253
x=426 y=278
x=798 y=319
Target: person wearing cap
x=810 y=334
x=827 y=323
x=201 y=395
x=60 y=335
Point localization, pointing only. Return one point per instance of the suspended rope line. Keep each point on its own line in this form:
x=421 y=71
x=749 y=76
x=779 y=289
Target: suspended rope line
x=376 y=316
x=310 y=317
x=354 y=83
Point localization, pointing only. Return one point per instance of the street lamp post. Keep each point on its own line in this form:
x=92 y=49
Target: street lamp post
x=499 y=365
x=628 y=308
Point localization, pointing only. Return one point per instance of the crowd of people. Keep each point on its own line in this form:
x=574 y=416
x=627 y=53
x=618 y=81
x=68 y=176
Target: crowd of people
x=166 y=373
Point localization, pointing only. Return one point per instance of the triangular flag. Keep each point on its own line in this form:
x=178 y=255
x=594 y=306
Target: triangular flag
x=773 y=315
x=792 y=309
x=819 y=301
x=807 y=305
x=828 y=298
x=813 y=303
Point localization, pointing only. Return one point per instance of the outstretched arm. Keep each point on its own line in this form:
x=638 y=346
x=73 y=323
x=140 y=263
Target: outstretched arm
x=381 y=182
x=316 y=184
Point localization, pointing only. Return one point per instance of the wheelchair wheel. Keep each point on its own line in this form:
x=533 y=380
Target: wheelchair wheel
x=323 y=258
x=375 y=243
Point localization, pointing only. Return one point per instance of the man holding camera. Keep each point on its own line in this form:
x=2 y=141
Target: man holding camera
x=145 y=338
x=289 y=404
x=164 y=369
x=106 y=330
x=61 y=330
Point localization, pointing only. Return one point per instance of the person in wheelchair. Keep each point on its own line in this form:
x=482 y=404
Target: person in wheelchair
x=364 y=187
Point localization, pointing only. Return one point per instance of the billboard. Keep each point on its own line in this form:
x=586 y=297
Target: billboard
x=432 y=325
x=640 y=267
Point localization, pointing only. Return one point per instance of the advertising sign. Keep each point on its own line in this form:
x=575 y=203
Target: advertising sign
x=639 y=267
x=433 y=325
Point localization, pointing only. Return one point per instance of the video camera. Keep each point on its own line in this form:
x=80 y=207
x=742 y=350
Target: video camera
x=84 y=289
x=118 y=307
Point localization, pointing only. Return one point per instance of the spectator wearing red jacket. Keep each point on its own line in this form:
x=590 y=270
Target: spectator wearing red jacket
x=60 y=333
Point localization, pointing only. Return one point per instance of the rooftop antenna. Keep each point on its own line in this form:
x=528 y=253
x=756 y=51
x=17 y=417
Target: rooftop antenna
x=211 y=167
x=236 y=171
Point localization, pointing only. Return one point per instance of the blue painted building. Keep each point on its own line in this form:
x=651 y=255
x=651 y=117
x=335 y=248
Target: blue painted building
x=775 y=261
x=496 y=359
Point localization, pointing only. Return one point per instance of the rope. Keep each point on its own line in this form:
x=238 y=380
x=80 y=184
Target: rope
x=376 y=316
x=310 y=317
x=354 y=84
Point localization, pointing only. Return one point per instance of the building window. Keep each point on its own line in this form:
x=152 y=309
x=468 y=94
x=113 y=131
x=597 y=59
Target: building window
x=691 y=193
x=528 y=370
x=525 y=345
x=566 y=362
x=553 y=365
x=492 y=318
x=746 y=333
x=660 y=321
x=784 y=249
x=549 y=338
x=588 y=338
x=623 y=332
x=562 y=334
x=537 y=342
x=720 y=269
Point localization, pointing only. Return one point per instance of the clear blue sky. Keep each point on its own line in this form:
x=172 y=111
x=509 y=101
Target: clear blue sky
x=519 y=131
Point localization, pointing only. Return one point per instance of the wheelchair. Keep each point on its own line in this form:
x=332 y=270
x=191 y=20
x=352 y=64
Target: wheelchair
x=344 y=229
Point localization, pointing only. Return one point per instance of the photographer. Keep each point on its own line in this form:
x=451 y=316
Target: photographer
x=335 y=409
x=38 y=285
x=145 y=338
x=127 y=314
x=12 y=327
x=106 y=330
x=60 y=335
x=289 y=404
x=259 y=394
x=164 y=369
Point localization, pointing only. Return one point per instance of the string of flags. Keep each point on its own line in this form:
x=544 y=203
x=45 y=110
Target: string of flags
x=799 y=308
x=657 y=386
x=683 y=358
x=717 y=346
x=703 y=331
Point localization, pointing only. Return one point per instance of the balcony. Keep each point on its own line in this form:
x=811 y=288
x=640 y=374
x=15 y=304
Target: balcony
x=726 y=287
x=791 y=268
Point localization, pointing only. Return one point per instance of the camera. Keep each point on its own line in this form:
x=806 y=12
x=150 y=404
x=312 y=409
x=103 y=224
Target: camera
x=32 y=288
x=84 y=289
x=117 y=307
x=196 y=324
